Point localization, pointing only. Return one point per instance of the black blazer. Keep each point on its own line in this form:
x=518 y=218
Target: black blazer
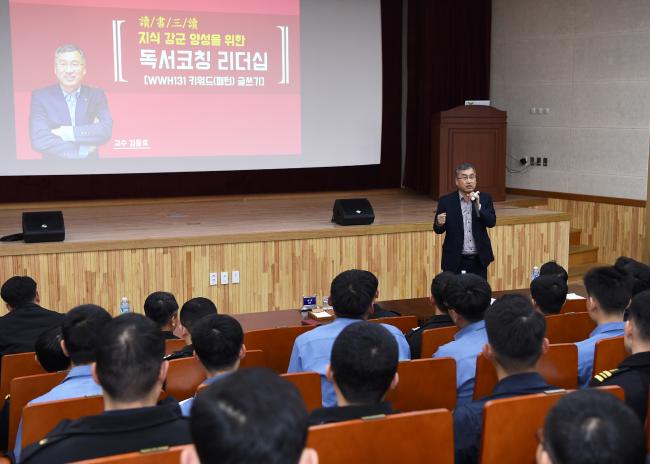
x=452 y=248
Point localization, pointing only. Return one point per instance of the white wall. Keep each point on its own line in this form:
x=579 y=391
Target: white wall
x=588 y=61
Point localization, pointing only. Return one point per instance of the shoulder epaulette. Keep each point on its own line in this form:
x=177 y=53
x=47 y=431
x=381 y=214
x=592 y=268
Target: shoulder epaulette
x=604 y=375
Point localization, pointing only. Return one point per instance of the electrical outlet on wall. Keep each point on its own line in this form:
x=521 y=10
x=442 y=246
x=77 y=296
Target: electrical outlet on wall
x=224 y=278
x=213 y=278
x=545 y=161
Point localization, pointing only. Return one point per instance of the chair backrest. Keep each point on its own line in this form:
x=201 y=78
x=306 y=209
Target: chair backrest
x=609 y=353
x=308 y=384
x=276 y=343
x=511 y=421
x=413 y=437
x=25 y=389
x=253 y=358
x=403 y=323
x=39 y=419
x=432 y=339
x=568 y=327
x=574 y=306
x=558 y=367
x=17 y=365
x=425 y=384
x=173 y=345
x=183 y=377
x=151 y=456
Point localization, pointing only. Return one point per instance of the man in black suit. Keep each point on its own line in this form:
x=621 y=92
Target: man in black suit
x=26 y=320
x=465 y=216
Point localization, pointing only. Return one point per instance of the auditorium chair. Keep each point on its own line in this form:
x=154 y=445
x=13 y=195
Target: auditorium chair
x=559 y=367
x=276 y=343
x=432 y=339
x=17 y=365
x=568 y=327
x=425 y=384
x=308 y=384
x=403 y=323
x=25 y=389
x=173 y=345
x=413 y=437
x=183 y=377
x=516 y=420
x=608 y=354
x=253 y=358
x=166 y=455
x=39 y=419
x=574 y=306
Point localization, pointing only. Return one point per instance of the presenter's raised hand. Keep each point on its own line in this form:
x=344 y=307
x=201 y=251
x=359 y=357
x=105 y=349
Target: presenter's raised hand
x=441 y=219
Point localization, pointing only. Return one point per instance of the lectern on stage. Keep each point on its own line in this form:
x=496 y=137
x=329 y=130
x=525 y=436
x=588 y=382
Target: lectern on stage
x=473 y=134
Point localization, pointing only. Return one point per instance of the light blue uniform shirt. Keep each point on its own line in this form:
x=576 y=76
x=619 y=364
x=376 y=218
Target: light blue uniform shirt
x=186 y=405
x=587 y=347
x=77 y=384
x=467 y=345
x=312 y=351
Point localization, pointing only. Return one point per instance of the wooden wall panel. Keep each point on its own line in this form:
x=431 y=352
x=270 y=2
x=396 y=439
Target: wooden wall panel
x=275 y=274
x=615 y=229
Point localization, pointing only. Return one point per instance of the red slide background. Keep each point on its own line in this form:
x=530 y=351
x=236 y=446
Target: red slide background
x=174 y=120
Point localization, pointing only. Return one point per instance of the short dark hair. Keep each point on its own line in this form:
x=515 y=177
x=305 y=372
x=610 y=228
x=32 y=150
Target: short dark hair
x=593 y=427
x=515 y=332
x=80 y=328
x=639 y=272
x=130 y=350
x=160 y=307
x=48 y=350
x=251 y=415
x=463 y=167
x=195 y=309
x=611 y=287
x=549 y=292
x=639 y=313
x=352 y=293
x=553 y=268
x=217 y=341
x=364 y=362
x=18 y=290
x=438 y=287
x=469 y=295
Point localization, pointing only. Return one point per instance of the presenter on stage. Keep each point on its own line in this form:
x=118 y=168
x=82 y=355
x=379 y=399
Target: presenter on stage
x=69 y=120
x=465 y=216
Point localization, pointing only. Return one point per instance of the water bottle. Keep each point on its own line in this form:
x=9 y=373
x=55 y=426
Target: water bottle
x=463 y=271
x=125 y=306
x=534 y=274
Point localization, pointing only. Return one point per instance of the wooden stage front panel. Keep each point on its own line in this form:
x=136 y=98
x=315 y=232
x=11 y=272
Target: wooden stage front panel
x=284 y=246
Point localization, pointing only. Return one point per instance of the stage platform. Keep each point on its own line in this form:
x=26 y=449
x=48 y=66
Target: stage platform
x=284 y=246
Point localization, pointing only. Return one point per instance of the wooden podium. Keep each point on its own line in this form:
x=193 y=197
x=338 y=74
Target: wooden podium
x=469 y=134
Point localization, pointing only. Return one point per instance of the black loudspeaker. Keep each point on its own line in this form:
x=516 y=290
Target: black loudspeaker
x=353 y=212
x=43 y=226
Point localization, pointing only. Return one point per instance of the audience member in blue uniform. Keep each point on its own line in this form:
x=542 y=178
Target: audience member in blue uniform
x=250 y=416
x=591 y=427
x=219 y=345
x=468 y=297
x=548 y=293
x=79 y=331
x=162 y=308
x=363 y=370
x=352 y=294
x=608 y=294
x=131 y=372
x=49 y=352
x=191 y=312
x=516 y=341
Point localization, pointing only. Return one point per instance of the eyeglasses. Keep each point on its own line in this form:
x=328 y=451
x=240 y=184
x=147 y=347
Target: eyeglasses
x=626 y=315
x=466 y=178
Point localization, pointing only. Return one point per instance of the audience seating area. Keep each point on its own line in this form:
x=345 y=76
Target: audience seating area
x=609 y=353
x=425 y=384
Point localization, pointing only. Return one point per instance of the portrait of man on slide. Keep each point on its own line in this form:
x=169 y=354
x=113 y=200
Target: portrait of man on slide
x=67 y=119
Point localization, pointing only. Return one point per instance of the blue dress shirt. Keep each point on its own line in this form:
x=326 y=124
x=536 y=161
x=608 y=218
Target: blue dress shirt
x=587 y=347
x=468 y=419
x=77 y=384
x=312 y=351
x=186 y=405
x=467 y=345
